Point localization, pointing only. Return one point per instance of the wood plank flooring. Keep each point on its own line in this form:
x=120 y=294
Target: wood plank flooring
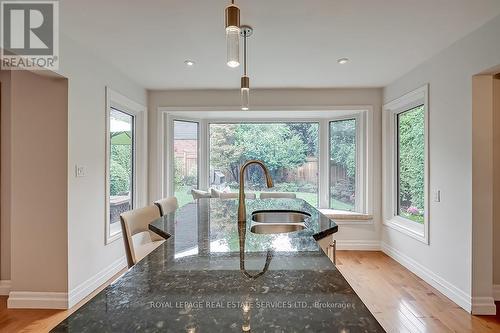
x=400 y=300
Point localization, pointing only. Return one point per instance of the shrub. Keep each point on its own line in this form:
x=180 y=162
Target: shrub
x=343 y=190
x=119 y=178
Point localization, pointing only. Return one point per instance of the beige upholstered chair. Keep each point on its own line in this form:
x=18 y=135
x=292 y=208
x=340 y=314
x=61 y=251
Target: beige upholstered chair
x=139 y=241
x=167 y=205
x=234 y=195
x=273 y=195
x=215 y=193
x=198 y=194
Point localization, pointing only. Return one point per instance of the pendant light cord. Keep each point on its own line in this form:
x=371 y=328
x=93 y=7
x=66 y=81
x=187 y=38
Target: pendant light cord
x=245 y=55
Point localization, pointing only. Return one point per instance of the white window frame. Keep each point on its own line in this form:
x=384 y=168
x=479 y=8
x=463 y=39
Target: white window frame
x=361 y=190
x=322 y=115
x=168 y=184
x=391 y=111
x=122 y=103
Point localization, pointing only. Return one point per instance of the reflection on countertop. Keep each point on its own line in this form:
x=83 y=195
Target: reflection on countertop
x=214 y=274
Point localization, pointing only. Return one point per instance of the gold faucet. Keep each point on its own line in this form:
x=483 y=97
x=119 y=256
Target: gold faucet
x=242 y=209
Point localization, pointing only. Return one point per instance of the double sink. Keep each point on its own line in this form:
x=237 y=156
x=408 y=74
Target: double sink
x=278 y=221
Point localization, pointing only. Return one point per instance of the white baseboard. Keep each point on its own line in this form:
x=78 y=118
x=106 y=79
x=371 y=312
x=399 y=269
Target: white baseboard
x=483 y=306
x=37 y=300
x=87 y=287
x=358 y=245
x=5 y=287
x=448 y=289
x=496 y=292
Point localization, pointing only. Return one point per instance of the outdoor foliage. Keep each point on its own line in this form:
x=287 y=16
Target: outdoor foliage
x=411 y=163
x=120 y=169
x=343 y=158
x=280 y=146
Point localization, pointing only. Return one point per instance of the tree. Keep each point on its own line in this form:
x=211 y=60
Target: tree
x=274 y=144
x=225 y=153
x=308 y=132
x=120 y=169
x=343 y=145
x=411 y=157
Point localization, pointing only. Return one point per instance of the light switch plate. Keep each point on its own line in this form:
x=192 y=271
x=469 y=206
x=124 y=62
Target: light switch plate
x=80 y=170
x=437 y=196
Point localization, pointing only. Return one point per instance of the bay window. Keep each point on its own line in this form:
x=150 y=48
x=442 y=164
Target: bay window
x=323 y=160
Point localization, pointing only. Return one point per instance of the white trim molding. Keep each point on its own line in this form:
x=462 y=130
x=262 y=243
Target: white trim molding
x=87 y=287
x=454 y=293
x=483 y=306
x=5 y=287
x=37 y=300
x=357 y=245
x=496 y=292
x=140 y=180
x=321 y=115
x=390 y=114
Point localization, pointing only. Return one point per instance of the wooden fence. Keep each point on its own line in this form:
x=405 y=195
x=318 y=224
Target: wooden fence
x=187 y=163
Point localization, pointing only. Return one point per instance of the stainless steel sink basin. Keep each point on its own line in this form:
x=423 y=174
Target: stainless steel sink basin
x=276 y=228
x=279 y=216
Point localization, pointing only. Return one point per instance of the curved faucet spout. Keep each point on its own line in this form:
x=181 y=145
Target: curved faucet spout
x=242 y=210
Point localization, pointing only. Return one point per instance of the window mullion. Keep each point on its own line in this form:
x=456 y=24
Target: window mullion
x=324 y=158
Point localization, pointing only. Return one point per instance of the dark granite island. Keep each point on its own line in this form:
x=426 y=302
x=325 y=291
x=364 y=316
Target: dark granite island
x=214 y=275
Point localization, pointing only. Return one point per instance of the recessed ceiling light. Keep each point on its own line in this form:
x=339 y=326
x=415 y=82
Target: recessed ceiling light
x=189 y=63
x=343 y=61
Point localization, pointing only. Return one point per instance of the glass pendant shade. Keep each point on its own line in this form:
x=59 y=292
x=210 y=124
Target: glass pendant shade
x=233 y=46
x=245 y=92
x=245 y=99
x=232 y=15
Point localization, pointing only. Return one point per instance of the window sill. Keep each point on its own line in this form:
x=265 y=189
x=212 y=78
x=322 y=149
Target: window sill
x=346 y=217
x=408 y=227
x=115 y=233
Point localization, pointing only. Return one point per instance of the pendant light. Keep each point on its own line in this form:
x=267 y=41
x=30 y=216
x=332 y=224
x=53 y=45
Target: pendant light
x=233 y=35
x=246 y=32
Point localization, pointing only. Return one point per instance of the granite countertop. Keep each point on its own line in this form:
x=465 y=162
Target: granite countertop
x=214 y=274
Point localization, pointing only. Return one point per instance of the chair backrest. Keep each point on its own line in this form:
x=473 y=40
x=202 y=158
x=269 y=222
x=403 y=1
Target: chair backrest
x=215 y=193
x=167 y=205
x=275 y=195
x=135 y=222
x=197 y=194
x=234 y=195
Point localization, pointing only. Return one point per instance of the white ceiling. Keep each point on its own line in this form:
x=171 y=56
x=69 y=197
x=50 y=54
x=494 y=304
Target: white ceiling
x=295 y=43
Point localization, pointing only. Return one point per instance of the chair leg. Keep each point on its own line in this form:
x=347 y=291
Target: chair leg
x=332 y=251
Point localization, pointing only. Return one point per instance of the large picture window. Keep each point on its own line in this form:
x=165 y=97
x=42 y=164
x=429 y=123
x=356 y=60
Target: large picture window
x=289 y=150
x=406 y=164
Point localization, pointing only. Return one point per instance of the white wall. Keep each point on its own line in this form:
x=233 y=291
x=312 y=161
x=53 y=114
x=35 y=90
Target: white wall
x=88 y=76
x=448 y=258
x=360 y=236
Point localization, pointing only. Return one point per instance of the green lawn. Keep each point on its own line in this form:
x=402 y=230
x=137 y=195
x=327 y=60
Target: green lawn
x=415 y=218
x=184 y=196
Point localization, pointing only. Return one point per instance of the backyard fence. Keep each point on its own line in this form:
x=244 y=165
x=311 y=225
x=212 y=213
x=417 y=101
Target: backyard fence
x=308 y=172
x=186 y=162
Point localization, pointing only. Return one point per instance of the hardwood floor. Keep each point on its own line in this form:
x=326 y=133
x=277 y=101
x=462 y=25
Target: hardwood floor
x=399 y=300
x=29 y=320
